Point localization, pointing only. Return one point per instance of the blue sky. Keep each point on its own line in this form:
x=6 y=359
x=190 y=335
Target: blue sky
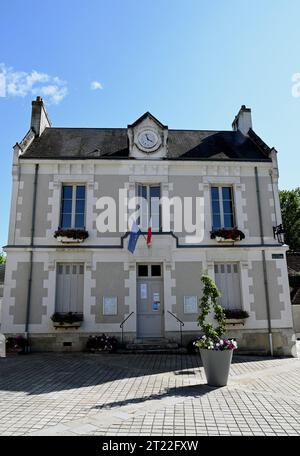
x=192 y=63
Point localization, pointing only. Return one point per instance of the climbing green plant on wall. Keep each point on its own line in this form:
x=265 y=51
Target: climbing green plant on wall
x=208 y=302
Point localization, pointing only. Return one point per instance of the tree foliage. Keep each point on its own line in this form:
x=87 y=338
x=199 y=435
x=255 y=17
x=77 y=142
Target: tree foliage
x=2 y=258
x=290 y=210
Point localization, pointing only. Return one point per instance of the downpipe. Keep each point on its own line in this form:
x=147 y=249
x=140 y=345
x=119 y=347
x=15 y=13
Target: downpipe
x=29 y=289
x=271 y=343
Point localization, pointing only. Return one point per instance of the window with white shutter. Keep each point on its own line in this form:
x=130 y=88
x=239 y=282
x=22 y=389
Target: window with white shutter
x=227 y=278
x=69 y=287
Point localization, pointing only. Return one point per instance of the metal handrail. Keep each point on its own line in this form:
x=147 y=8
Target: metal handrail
x=181 y=324
x=122 y=324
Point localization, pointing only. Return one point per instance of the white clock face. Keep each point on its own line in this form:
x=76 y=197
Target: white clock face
x=148 y=139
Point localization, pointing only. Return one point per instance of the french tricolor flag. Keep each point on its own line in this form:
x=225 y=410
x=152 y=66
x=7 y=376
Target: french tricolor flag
x=149 y=234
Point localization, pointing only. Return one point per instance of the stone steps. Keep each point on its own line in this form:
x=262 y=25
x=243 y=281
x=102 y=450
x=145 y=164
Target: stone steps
x=168 y=351
x=148 y=346
x=153 y=346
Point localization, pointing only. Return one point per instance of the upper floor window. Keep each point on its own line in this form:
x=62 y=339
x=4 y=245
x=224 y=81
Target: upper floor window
x=222 y=207
x=72 y=206
x=151 y=208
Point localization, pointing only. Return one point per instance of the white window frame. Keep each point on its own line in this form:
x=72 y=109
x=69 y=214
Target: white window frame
x=64 y=264
x=148 y=186
x=220 y=186
x=239 y=272
x=149 y=275
x=74 y=185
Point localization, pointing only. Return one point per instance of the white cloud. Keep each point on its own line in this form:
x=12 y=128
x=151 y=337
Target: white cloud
x=21 y=84
x=55 y=93
x=96 y=85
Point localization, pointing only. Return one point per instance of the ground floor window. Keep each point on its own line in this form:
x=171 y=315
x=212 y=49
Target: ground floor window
x=69 y=287
x=227 y=278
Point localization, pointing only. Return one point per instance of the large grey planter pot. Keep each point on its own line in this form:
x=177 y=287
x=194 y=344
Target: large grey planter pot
x=216 y=366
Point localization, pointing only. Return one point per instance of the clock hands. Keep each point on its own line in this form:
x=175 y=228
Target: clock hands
x=148 y=139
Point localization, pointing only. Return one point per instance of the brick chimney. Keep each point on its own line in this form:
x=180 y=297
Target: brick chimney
x=39 y=117
x=243 y=121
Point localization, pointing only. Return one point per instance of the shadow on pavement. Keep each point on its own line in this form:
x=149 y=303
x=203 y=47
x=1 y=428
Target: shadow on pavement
x=193 y=391
x=41 y=373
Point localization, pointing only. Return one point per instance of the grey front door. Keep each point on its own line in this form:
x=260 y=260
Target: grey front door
x=150 y=309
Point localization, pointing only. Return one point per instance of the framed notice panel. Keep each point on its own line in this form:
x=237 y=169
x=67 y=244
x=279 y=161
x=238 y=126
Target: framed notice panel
x=190 y=304
x=110 y=305
x=144 y=293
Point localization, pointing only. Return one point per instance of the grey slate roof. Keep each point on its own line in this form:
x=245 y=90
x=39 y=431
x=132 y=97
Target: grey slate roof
x=84 y=143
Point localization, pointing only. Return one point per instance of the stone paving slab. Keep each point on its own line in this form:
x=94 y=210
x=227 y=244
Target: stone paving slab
x=142 y=394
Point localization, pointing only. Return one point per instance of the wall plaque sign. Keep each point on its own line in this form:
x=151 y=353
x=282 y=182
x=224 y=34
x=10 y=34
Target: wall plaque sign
x=190 y=304
x=110 y=305
x=143 y=291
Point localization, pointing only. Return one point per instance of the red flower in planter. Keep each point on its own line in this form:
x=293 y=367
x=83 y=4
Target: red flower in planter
x=228 y=233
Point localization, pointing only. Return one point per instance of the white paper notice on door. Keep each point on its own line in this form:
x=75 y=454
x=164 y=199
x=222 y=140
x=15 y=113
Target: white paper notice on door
x=143 y=291
x=156 y=297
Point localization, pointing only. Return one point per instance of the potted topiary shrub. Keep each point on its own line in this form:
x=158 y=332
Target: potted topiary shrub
x=216 y=352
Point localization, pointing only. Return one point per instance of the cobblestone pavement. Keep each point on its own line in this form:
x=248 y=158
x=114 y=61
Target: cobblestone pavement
x=136 y=394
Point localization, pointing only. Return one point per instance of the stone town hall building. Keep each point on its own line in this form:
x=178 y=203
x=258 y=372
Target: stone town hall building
x=59 y=174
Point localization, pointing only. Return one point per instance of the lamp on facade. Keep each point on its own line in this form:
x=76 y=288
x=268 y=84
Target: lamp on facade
x=278 y=233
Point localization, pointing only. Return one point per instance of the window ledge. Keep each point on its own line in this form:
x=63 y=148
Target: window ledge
x=235 y=322
x=75 y=325
x=68 y=240
x=221 y=239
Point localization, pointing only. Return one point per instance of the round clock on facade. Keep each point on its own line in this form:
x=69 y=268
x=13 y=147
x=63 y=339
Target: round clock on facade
x=148 y=139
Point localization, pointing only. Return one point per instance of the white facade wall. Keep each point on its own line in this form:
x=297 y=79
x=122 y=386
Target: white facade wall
x=100 y=249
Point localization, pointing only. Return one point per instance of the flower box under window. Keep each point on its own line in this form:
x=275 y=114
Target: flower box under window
x=235 y=318
x=67 y=320
x=227 y=235
x=70 y=235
